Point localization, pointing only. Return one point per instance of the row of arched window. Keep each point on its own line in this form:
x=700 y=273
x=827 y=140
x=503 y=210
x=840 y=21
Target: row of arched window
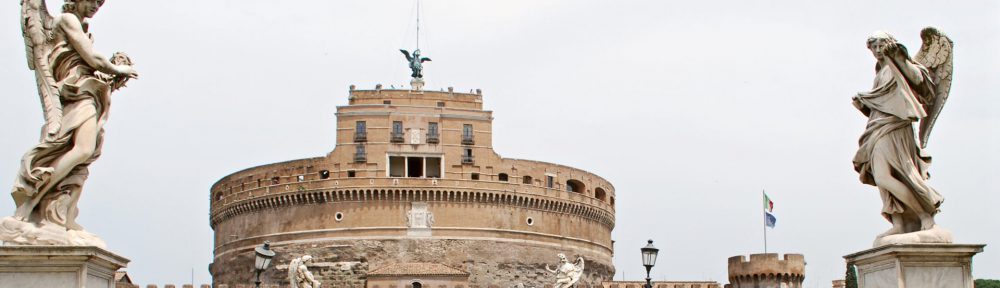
x=572 y=185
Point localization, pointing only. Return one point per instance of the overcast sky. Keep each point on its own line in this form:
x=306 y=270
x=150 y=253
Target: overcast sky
x=689 y=108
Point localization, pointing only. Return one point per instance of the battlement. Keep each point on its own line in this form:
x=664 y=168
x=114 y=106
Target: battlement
x=767 y=269
x=422 y=98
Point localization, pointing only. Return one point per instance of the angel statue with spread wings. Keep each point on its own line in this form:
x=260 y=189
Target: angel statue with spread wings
x=416 y=63
x=567 y=274
x=74 y=83
x=891 y=156
x=299 y=275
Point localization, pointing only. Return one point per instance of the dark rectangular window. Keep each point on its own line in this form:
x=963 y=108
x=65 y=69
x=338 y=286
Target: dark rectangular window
x=414 y=167
x=467 y=156
x=467 y=136
x=360 y=133
x=440 y=104
x=397 y=127
x=360 y=154
x=432 y=133
x=467 y=130
x=475 y=176
x=433 y=167
x=351 y=174
x=397 y=132
x=550 y=181
x=387 y=102
x=397 y=166
x=432 y=128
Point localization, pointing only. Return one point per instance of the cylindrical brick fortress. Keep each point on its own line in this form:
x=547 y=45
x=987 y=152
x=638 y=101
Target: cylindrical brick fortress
x=767 y=271
x=413 y=179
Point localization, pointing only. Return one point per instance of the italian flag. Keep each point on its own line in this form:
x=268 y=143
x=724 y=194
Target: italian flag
x=768 y=204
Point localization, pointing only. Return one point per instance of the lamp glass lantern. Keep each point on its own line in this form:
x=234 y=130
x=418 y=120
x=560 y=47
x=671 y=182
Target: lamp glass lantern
x=264 y=255
x=649 y=255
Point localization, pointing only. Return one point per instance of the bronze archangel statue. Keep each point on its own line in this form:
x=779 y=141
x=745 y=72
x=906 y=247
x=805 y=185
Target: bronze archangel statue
x=416 y=63
x=891 y=156
x=75 y=83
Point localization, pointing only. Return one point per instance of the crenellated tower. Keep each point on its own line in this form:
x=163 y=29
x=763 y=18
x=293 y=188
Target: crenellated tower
x=767 y=271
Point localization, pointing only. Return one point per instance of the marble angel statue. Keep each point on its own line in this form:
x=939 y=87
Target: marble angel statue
x=891 y=156
x=74 y=83
x=299 y=275
x=567 y=274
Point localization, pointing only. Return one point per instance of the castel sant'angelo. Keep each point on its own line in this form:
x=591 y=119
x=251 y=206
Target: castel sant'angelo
x=414 y=185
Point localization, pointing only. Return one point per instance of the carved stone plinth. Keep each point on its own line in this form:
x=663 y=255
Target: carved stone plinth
x=58 y=266
x=915 y=266
x=417 y=84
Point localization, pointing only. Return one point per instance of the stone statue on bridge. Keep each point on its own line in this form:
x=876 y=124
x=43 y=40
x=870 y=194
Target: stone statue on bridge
x=299 y=275
x=74 y=84
x=567 y=274
x=891 y=154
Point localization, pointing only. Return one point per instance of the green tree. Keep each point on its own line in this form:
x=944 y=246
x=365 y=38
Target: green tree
x=851 y=277
x=987 y=283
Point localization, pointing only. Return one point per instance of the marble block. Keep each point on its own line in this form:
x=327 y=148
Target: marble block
x=58 y=266
x=915 y=265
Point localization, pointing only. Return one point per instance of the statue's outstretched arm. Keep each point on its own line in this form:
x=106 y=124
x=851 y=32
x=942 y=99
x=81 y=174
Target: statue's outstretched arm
x=910 y=69
x=71 y=25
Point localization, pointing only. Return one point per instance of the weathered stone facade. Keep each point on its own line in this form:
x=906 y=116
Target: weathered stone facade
x=414 y=178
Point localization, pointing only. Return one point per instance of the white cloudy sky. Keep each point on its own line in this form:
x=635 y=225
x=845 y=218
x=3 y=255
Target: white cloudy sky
x=689 y=107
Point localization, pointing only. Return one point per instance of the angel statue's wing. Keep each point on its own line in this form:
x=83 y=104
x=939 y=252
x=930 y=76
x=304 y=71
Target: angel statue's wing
x=425 y=59
x=37 y=25
x=407 y=54
x=292 y=274
x=936 y=55
x=578 y=272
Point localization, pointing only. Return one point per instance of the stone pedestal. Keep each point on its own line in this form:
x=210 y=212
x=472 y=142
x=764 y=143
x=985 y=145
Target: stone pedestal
x=58 y=266
x=915 y=266
x=417 y=84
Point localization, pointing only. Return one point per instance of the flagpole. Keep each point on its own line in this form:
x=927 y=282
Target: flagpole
x=763 y=196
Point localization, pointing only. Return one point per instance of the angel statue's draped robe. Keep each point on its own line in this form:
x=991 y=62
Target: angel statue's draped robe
x=892 y=106
x=84 y=97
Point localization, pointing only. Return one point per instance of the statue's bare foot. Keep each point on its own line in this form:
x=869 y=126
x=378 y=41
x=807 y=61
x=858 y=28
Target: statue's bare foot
x=21 y=213
x=927 y=222
x=72 y=225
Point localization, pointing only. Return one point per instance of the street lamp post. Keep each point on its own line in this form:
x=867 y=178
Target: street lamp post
x=264 y=255
x=649 y=259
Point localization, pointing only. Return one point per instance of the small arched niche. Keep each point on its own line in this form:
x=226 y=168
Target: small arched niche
x=573 y=185
x=600 y=194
